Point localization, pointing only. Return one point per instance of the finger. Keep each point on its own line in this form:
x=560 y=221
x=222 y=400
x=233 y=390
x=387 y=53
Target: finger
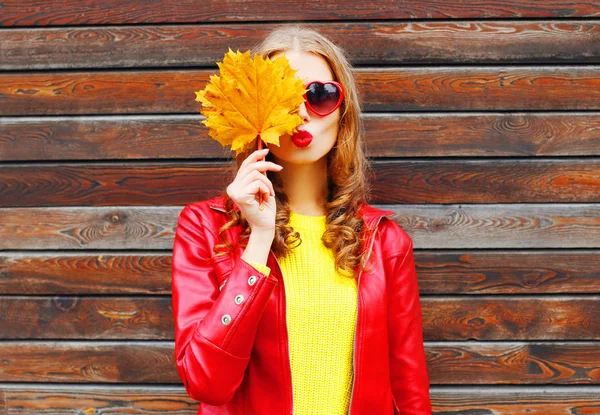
x=256 y=175
x=259 y=189
x=253 y=157
x=266 y=182
x=263 y=166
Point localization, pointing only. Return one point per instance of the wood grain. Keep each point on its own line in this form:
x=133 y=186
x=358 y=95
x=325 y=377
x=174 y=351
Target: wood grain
x=366 y=42
x=483 y=122
x=482 y=134
x=71 y=12
x=179 y=183
x=104 y=399
x=474 y=272
x=88 y=228
x=501 y=225
x=150 y=318
x=119 y=273
x=509 y=272
x=173 y=400
x=108 y=137
x=515 y=318
x=507 y=88
x=477 y=88
x=88 y=362
x=450 y=363
x=519 y=225
x=133 y=137
x=497 y=181
x=86 y=318
x=513 y=363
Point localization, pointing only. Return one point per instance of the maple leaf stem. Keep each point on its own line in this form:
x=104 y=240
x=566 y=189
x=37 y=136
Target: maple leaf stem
x=260 y=146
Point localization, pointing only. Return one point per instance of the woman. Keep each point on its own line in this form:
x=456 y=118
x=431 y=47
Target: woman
x=292 y=295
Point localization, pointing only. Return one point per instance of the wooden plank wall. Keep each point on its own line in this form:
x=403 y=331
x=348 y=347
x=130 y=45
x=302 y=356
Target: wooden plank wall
x=483 y=118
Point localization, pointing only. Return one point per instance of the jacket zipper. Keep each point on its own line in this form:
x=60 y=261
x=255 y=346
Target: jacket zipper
x=358 y=316
x=286 y=332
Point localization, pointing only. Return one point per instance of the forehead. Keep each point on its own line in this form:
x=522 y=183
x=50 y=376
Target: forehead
x=310 y=66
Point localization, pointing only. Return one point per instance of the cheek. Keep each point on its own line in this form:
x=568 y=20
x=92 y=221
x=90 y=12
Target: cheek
x=332 y=124
x=277 y=151
x=329 y=132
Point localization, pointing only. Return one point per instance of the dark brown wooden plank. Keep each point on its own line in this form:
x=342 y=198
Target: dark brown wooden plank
x=88 y=228
x=510 y=272
x=431 y=226
x=387 y=135
x=479 y=88
x=85 y=274
x=445 y=181
x=448 y=363
x=462 y=272
x=150 y=318
x=512 y=400
x=110 y=137
x=510 y=88
x=106 y=399
x=487 y=181
x=71 y=12
x=518 y=318
x=513 y=363
x=367 y=43
x=88 y=362
x=106 y=92
x=174 y=183
x=501 y=226
x=482 y=135
x=70 y=317
x=173 y=400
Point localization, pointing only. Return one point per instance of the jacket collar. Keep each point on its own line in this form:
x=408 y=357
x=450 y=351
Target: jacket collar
x=370 y=214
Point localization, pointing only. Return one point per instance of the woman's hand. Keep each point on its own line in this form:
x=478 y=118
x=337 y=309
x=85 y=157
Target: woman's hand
x=251 y=189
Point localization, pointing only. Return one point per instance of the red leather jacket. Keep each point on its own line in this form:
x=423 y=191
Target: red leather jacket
x=231 y=345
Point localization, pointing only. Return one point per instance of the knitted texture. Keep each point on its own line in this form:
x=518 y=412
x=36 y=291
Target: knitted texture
x=321 y=306
x=260 y=267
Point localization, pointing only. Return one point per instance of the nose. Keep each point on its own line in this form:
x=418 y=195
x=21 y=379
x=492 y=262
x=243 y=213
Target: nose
x=303 y=112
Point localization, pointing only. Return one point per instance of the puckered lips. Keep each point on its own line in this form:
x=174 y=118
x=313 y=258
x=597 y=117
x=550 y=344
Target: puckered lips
x=302 y=138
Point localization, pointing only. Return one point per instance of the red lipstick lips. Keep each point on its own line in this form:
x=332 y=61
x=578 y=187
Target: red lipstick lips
x=302 y=138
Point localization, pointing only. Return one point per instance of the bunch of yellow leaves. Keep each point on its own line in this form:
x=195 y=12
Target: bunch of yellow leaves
x=253 y=98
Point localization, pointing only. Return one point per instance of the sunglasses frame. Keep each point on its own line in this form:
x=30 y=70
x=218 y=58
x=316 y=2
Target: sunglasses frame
x=337 y=105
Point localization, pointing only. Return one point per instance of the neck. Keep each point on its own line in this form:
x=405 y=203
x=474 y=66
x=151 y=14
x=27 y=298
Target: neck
x=305 y=186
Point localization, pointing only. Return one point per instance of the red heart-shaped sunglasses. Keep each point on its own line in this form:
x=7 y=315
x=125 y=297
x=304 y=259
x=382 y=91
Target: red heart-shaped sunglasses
x=323 y=97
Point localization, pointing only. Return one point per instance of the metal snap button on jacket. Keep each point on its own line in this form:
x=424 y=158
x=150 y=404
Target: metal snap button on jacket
x=239 y=298
x=226 y=319
x=245 y=368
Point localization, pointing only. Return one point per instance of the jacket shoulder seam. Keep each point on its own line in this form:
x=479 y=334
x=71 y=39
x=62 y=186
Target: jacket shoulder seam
x=405 y=251
x=204 y=226
x=202 y=221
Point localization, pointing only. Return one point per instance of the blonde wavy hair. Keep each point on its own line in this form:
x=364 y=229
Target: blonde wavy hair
x=346 y=162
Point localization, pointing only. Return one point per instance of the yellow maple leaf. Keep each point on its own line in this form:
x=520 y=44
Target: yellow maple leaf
x=254 y=96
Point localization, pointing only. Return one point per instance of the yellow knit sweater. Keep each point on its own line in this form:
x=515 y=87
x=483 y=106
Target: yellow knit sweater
x=321 y=307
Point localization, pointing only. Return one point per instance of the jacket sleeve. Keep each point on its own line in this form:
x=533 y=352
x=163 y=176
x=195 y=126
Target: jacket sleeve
x=214 y=329
x=262 y=268
x=408 y=366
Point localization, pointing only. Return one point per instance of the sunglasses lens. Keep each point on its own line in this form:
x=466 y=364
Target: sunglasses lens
x=322 y=98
